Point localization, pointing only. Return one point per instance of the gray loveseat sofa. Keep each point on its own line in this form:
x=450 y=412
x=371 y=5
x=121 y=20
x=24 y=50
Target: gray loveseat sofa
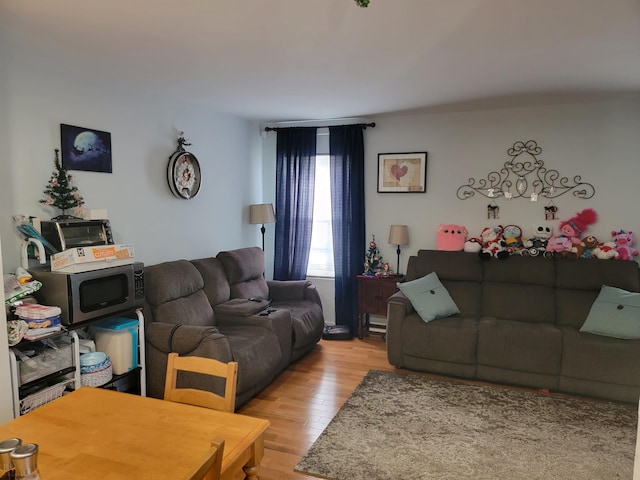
x=519 y=324
x=201 y=307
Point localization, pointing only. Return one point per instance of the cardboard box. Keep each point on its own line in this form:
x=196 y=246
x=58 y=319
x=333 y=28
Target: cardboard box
x=84 y=259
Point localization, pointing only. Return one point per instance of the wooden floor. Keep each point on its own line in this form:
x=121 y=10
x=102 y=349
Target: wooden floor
x=305 y=397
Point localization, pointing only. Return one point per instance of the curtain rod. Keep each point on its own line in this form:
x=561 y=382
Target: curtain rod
x=363 y=125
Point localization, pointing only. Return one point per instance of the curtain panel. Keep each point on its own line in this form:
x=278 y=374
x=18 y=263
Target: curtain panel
x=346 y=149
x=295 y=180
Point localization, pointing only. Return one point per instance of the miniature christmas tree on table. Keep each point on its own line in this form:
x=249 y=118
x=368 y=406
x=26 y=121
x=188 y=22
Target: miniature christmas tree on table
x=60 y=193
x=372 y=259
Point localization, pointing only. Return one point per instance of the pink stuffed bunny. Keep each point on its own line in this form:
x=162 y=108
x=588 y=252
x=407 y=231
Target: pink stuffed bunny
x=624 y=244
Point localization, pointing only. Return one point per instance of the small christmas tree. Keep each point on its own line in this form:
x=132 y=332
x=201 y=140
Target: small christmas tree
x=372 y=259
x=60 y=192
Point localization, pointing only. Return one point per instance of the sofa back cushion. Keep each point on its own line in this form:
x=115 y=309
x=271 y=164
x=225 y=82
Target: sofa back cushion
x=519 y=288
x=459 y=272
x=579 y=283
x=245 y=271
x=174 y=293
x=216 y=285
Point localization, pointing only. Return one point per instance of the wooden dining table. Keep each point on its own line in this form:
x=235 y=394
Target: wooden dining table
x=98 y=433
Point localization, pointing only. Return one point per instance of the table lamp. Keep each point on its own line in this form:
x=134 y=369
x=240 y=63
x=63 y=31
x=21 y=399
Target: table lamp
x=398 y=235
x=261 y=213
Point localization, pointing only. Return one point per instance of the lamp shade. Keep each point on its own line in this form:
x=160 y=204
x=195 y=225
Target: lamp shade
x=261 y=213
x=399 y=235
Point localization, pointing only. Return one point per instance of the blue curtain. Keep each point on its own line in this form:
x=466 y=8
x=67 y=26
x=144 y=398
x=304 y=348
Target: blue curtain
x=346 y=149
x=295 y=180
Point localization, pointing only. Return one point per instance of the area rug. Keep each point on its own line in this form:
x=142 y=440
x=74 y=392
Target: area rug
x=403 y=426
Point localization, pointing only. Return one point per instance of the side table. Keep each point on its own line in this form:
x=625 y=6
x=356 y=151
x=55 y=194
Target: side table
x=373 y=293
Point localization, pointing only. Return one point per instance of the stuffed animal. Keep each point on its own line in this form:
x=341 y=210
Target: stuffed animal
x=573 y=228
x=585 y=248
x=559 y=245
x=605 y=251
x=473 y=245
x=538 y=243
x=512 y=235
x=451 y=237
x=493 y=244
x=624 y=242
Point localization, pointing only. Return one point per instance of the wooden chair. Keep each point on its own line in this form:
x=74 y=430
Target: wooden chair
x=211 y=466
x=201 y=398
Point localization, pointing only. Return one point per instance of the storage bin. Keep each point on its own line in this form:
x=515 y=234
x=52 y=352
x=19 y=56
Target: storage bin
x=118 y=338
x=39 y=360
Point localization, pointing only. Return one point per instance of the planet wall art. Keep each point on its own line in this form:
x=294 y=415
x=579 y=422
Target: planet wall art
x=85 y=149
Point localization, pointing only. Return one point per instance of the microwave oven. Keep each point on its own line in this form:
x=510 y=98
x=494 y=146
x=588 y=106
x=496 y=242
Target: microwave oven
x=71 y=233
x=89 y=295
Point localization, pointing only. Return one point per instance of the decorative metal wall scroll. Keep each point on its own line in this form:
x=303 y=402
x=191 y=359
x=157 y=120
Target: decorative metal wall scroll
x=525 y=176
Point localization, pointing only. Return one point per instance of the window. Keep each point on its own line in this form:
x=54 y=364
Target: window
x=321 y=254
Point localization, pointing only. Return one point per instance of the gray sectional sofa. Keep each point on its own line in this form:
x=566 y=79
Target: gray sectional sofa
x=519 y=324
x=202 y=307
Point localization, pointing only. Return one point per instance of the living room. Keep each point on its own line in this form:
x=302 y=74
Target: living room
x=586 y=130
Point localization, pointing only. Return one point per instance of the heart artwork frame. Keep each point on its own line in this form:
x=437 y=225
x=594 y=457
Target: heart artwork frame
x=402 y=172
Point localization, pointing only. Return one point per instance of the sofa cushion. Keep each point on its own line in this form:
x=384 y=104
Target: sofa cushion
x=449 y=265
x=598 y=358
x=519 y=346
x=452 y=340
x=174 y=292
x=257 y=352
x=245 y=271
x=429 y=297
x=615 y=313
x=190 y=310
x=216 y=285
x=170 y=280
x=523 y=302
x=519 y=288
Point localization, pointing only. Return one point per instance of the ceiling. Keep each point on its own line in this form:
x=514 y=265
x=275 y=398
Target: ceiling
x=287 y=60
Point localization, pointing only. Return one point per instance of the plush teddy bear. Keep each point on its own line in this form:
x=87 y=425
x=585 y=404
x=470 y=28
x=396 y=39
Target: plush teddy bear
x=585 y=248
x=451 y=237
x=512 y=235
x=493 y=244
x=624 y=242
x=537 y=244
x=605 y=251
x=573 y=228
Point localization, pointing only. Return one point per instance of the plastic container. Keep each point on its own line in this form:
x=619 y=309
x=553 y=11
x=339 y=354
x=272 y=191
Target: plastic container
x=118 y=338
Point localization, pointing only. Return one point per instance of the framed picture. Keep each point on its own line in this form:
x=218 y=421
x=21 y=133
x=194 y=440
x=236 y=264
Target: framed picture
x=402 y=172
x=85 y=149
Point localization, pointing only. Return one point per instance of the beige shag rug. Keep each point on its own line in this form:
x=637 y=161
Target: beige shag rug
x=407 y=427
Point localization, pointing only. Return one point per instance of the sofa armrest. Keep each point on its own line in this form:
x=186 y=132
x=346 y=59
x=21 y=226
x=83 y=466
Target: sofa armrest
x=187 y=339
x=162 y=338
x=283 y=290
x=398 y=308
x=239 y=307
x=277 y=321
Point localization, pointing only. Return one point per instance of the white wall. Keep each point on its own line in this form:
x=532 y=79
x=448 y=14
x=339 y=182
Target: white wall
x=39 y=92
x=597 y=141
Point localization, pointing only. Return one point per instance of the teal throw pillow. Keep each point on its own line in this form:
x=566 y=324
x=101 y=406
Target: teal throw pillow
x=615 y=313
x=429 y=297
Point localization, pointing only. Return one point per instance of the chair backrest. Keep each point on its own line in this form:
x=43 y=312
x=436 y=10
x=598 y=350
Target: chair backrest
x=211 y=466
x=201 y=398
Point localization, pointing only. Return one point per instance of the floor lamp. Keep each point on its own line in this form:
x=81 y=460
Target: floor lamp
x=398 y=235
x=261 y=213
